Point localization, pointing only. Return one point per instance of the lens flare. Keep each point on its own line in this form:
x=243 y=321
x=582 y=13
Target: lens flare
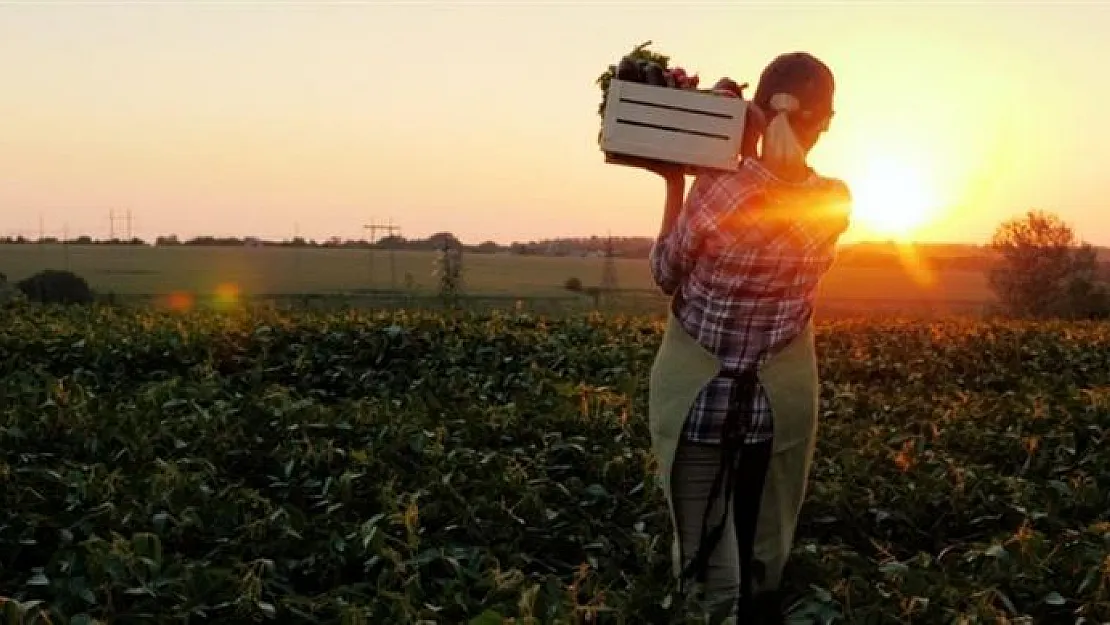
x=227 y=295
x=180 y=301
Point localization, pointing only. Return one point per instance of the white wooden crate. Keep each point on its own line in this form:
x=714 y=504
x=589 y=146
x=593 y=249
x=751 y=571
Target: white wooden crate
x=674 y=125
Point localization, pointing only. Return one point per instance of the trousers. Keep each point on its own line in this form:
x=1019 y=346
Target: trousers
x=695 y=467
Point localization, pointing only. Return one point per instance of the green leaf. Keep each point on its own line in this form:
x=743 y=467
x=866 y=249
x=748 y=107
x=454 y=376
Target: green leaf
x=1055 y=598
x=996 y=551
x=268 y=609
x=488 y=617
x=894 y=568
x=38 y=579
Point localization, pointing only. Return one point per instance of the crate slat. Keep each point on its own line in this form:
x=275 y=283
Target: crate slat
x=669 y=96
x=679 y=148
x=693 y=123
x=673 y=125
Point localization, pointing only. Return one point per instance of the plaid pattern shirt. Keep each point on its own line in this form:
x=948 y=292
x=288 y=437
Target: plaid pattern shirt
x=745 y=258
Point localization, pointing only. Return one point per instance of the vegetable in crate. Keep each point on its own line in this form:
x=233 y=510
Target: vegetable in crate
x=640 y=57
x=629 y=70
x=681 y=80
x=654 y=75
x=645 y=67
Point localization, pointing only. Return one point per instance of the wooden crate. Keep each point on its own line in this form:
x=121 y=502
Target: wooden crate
x=675 y=125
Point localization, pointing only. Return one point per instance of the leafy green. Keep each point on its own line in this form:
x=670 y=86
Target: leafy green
x=318 y=467
x=639 y=53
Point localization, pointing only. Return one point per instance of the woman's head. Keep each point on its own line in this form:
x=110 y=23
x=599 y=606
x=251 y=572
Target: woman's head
x=795 y=95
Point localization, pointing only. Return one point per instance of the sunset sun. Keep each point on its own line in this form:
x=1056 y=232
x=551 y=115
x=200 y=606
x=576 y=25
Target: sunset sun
x=891 y=199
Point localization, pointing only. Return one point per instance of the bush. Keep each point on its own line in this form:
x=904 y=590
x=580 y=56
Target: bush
x=53 y=286
x=1046 y=271
x=574 y=285
x=8 y=292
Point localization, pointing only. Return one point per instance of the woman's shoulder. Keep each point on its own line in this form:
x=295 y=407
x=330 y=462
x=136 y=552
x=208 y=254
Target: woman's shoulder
x=815 y=186
x=748 y=180
x=748 y=173
x=751 y=186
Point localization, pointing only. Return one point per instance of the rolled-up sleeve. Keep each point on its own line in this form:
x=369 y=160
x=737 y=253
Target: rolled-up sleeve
x=674 y=254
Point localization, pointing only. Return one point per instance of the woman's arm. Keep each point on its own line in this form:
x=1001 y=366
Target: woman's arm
x=669 y=264
x=672 y=206
x=672 y=255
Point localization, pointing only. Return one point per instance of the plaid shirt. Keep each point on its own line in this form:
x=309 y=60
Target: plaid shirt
x=745 y=258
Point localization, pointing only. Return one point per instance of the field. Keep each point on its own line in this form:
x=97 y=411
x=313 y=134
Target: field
x=344 y=467
x=354 y=276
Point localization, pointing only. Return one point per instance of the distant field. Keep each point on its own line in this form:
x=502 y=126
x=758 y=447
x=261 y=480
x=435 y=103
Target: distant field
x=156 y=271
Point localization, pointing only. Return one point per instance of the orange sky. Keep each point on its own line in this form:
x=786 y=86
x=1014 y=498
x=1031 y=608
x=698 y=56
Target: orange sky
x=480 y=118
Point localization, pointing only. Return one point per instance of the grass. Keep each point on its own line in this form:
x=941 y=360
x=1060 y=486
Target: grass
x=286 y=272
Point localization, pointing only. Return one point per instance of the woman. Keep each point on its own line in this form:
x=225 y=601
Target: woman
x=733 y=400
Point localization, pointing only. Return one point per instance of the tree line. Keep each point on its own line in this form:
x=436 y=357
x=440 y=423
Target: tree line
x=876 y=255
x=625 y=247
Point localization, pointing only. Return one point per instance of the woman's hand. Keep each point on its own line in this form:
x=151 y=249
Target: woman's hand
x=671 y=172
x=755 y=120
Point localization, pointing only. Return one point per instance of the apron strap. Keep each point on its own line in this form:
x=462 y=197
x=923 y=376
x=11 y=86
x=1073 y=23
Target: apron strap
x=749 y=496
x=733 y=451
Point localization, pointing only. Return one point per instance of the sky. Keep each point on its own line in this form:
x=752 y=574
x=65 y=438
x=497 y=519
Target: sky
x=480 y=118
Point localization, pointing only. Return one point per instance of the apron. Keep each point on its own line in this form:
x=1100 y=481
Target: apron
x=789 y=377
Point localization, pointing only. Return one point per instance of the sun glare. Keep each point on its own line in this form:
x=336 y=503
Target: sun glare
x=892 y=200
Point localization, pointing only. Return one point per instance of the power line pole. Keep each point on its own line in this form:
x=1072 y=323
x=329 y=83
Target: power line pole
x=389 y=229
x=126 y=220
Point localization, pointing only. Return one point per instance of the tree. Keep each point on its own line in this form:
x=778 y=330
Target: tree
x=488 y=247
x=1044 y=270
